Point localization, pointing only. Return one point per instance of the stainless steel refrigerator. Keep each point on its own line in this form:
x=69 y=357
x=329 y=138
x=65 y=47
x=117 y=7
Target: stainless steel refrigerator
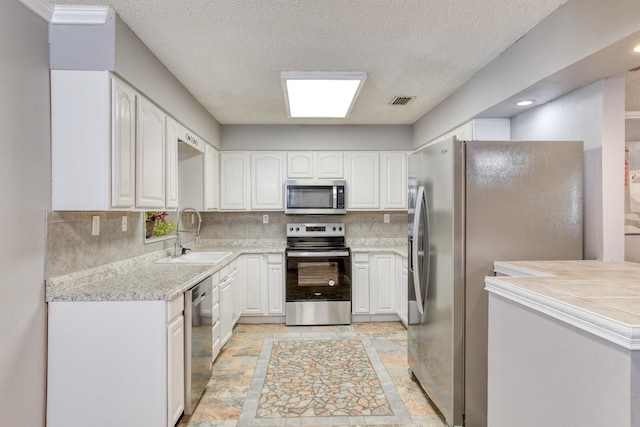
x=470 y=203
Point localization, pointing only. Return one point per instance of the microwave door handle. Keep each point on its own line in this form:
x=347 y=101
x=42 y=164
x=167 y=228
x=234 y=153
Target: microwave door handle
x=335 y=197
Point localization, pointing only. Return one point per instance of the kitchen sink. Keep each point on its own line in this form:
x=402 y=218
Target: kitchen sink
x=209 y=257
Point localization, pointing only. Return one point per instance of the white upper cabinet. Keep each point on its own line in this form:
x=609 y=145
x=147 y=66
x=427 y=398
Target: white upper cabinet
x=234 y=181
x=150 y=156
x=330 y=165
x=363 y=180
x=92 y=141
x=171 y=183
x=315 y=165
x=123 y=140
x=393 y=180
x=300 y=164
x=211 y=177
x=267 y=181
x=109 y=145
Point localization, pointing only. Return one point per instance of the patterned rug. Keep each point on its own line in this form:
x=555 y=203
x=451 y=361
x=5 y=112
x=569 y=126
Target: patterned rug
x=321 y=381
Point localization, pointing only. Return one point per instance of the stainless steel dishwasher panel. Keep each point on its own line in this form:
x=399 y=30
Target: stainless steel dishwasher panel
x=198 y=352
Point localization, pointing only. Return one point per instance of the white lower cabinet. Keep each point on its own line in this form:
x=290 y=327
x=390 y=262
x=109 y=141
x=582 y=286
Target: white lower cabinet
x=360 y=283
x=175 y=363
x=374 y=296
x=262 y=282
x=226 y=307
x=402 y=288
x=382 y=284
x=123 y=360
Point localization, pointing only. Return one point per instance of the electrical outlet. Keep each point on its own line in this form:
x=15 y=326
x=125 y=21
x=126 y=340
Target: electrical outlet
x=124 y=223
x=95 y=226
x=265 y=219
x=386 y=218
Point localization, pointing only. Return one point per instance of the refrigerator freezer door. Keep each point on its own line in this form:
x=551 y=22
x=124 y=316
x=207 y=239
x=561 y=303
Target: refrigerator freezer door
x=435 y=341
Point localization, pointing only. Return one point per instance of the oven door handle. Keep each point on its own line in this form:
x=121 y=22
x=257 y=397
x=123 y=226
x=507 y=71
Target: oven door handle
x=317 y=254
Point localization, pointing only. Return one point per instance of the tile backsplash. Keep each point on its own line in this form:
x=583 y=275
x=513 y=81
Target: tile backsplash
x=71 y=247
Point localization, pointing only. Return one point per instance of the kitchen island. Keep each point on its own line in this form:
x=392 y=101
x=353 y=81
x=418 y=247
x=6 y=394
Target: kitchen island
x=564 y=344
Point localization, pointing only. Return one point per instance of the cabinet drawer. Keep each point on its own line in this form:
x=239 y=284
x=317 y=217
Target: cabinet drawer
x=274 y=258
x=215 y=312
x=175 y=307
x=360 y=257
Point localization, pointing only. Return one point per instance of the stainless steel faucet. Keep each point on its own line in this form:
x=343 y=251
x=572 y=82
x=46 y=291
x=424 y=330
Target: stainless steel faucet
x=177 y=250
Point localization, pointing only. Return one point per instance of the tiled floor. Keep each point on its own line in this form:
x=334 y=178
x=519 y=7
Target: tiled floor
x=235 y=396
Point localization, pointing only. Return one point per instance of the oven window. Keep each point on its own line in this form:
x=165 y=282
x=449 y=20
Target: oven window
x=310 y=197
x=317 y=273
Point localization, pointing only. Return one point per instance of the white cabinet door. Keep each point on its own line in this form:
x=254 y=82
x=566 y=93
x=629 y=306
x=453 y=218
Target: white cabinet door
x=150 y=155
x=255 y=289
x=275 y=278
x=267 y=181
x=226 y=310
x=211 y=177
x=383 y=284
x=300 y=164
x=393 y=180
x=315 y=165
x=403 y=285
x=175 y=365
x=363 y=180
x=330 y=165
x=360 y=283
x=234 y=181
x=123 y=145
x=171 y=183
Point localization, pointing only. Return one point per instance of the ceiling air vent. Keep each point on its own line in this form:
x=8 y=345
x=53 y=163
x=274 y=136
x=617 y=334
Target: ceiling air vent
x=401 y=100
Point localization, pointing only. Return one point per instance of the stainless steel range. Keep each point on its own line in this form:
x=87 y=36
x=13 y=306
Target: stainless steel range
x=318 y=283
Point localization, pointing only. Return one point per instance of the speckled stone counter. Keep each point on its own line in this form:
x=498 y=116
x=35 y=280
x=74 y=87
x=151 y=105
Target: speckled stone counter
x=379 y=245
x=564 y=344
x=141 y=279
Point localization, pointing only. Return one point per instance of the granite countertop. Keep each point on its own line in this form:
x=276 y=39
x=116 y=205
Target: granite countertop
x=600 y=297
x=141 y=279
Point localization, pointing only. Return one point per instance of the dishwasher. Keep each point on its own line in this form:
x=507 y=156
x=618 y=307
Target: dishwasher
x=198 y=352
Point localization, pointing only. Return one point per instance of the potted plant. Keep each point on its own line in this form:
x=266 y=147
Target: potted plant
x=157 y=224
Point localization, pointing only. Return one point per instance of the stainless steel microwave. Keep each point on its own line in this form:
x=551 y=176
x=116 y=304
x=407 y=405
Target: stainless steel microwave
x=314 y=197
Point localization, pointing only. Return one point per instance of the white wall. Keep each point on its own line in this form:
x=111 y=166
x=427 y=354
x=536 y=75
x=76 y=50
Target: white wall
x=26 y=196
x=595 y=115
x=554 y=50
x=301 y=138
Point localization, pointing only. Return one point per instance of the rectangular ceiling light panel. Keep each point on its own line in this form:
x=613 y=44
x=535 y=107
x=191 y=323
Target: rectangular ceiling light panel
x=321 y=94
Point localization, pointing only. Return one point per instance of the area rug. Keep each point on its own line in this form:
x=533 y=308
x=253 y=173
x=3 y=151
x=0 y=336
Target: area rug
x=321 y=381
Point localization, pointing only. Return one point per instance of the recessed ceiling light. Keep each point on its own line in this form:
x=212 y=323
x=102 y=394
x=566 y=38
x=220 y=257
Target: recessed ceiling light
x=525 y=102
x=637 y=49
x=321 y=93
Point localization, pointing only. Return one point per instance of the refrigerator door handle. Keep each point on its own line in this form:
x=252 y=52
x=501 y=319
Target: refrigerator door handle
x=415 y=247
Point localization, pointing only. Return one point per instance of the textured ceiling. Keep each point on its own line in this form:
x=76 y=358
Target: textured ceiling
x=229 y=53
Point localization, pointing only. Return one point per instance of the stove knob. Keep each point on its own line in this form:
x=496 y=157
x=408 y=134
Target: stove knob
x=332 y=282
x=290 y=228
x=340 y=228
x=297 y=228
x=334 y=228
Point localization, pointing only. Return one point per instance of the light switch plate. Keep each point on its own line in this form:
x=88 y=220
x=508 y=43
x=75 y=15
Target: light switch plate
x=95 y=225
x=124 y=223
x=386 y=218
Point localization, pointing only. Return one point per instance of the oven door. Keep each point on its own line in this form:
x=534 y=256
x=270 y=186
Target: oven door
x=318 y=275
